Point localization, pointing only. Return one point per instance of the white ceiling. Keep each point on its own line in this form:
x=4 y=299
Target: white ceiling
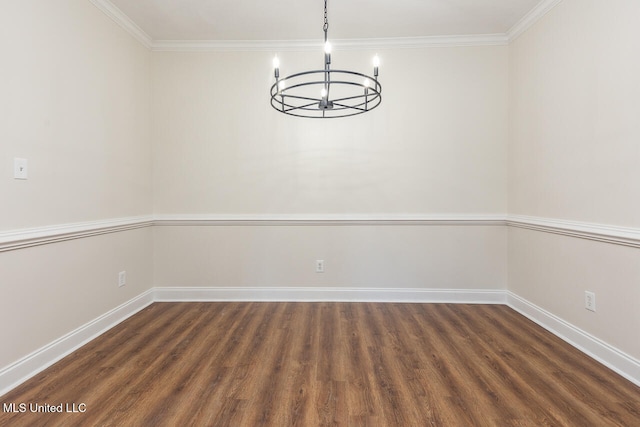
x=303 y=19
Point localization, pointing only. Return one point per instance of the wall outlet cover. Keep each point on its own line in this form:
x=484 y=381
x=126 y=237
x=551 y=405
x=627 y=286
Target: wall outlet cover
x=590 y=301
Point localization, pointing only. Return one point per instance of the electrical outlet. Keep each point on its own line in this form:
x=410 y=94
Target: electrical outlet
x=319 y=266
x=590 y=301
x=122 y=278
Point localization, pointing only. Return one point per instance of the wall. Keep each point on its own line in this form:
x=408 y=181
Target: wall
x=435 y=147
x=75 y=93
x=573 y=155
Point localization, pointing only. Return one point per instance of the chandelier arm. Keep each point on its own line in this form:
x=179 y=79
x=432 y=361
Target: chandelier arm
x=371 y=96
x=290 y=106
x=304 y=98
x=285 y=108
x=297 y=85
x=323 y=116
x=304 y=106
x=375 y=91
x=349 y=107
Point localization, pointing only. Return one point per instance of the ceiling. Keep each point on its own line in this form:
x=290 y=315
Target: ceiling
x=303 y=19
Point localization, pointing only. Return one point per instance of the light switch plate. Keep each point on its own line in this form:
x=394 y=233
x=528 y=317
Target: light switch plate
x=20 y=168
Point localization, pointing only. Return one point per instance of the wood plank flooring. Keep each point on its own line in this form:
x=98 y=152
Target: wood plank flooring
x=320 y=364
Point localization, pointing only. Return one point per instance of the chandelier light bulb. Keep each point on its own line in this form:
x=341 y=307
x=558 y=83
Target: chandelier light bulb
x=281 y=85
x=327 y=47
x=376 y=61
x=276 y=62
x=323 y=92
x=367 y=83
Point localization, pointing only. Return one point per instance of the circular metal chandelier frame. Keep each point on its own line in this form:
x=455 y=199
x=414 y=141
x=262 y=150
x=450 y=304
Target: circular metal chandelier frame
x=356 y=96
x=308 y=94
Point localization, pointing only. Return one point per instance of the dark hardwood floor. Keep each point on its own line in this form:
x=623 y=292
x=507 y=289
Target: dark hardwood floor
x=309 y=364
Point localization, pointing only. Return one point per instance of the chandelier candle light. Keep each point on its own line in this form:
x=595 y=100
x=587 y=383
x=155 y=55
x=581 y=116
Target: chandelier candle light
x=327 y=93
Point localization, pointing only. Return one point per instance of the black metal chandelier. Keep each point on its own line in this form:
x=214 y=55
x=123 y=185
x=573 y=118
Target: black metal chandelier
x=326 y=93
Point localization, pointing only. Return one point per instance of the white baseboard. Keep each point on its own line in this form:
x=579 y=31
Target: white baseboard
x=416 y=295
x=15 y=374
x=611 y=357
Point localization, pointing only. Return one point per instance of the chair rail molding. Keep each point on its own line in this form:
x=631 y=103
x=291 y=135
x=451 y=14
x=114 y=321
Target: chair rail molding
x=27 y=237
x=330 y=219
x=626 y=236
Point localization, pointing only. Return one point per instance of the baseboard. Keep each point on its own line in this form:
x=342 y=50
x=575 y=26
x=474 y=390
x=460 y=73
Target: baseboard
x=611 y=357
x=460 y=296
x=25 y=368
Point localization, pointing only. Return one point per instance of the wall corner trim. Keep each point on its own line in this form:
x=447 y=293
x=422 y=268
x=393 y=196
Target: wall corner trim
x=611 y=357
x=18 y=372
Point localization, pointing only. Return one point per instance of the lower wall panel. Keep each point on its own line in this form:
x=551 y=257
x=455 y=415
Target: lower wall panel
x=52 y=289
x=357 y=256
x=553 y=272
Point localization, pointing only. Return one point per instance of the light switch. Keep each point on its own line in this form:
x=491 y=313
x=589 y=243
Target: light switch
x=20 y=168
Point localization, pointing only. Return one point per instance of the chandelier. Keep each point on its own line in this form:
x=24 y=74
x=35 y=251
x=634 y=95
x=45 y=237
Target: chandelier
x=326 y=93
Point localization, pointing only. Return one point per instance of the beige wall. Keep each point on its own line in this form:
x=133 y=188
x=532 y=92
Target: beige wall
x=365 y=256
x=76 y=98
x=573 y=155
x=75 y=93
x=436 y=145
x=574 y=108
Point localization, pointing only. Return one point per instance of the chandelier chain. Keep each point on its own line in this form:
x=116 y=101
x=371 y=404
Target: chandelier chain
x=326 y=21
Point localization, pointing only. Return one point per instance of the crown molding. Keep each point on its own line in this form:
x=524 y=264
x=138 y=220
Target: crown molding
x=123 y=21
x=499 y=39
x=339 y=44
x=531 y=18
